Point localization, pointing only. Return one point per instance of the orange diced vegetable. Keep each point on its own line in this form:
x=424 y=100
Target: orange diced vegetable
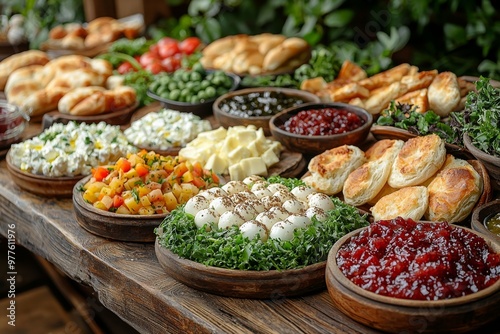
x=100 y=173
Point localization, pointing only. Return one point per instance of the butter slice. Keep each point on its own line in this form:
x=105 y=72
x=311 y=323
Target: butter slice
x=270 y=158
x=216 y=164
x=236 y=172
x=254 y=166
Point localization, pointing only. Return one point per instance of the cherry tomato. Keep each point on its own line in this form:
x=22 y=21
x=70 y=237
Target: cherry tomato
x=154 y=67
x=171 y=64
x=147 y=58
x=168 y=50
x=154 y=49
x=125 y=68
x=166 y=40
x=189 y=45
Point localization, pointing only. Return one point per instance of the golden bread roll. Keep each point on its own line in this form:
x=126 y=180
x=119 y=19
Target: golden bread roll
x=282 y=53
x=330 y=169
x=105 y=101
x=357 y=102
x=366 y=181
x=385 y=78
x=23 y=74
x=267 y=42
x=75 y=96
x=381 y=97
x=444 y=93
x=43 y=100
x=454 y=192
x=313 y=85
x=419 y=159
x=95 y=39
x=349 y=91
x=19 y=92
x=72 y=42
x=57 y=32
x=99 y=23
x=417 y=98
x=408 y=202
x=78 y=78
x=386 y=190
x=248 y=60
x=18 y=60
x=419 y=80
x=221 y=46
x=351 y=71
x=63 y=64
x=102 y=66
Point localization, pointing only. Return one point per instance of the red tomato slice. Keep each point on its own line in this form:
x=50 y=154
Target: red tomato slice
x=171 y=64
x=154 y=67
x=117 y=201
x=147 y=58
x=166 y=40
x=125 y=68
x=168 y=50
x=100 y=173
x=189 y=45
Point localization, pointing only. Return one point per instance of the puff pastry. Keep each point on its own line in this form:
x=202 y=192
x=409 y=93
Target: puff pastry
x=408 y=202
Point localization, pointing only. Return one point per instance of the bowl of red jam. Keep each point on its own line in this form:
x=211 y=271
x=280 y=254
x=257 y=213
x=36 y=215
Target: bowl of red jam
x=486 y=219
x=313 y=128
x=256 y=106
x=404 y=276
x=13 y=121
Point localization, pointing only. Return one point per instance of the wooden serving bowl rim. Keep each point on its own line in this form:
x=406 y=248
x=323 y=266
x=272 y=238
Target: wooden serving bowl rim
x=478 y=221
x=40 y=184
x=295 y=110
x=118 y=219
x=424 y=304
x=312 y=98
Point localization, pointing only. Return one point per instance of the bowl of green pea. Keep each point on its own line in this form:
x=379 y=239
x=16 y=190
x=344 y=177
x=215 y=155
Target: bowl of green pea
x=192 y=90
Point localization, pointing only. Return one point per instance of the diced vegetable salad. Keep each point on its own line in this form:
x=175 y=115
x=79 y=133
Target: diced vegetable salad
x=146 y=183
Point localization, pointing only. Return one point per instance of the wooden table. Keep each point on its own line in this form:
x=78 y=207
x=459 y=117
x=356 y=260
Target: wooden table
x=130 y=282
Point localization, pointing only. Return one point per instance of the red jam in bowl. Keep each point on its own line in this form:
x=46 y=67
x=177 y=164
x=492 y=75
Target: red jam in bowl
x=323 y=122
x=420 y=261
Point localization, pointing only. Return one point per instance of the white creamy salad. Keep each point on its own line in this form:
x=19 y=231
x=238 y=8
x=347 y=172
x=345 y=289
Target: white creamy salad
x=165 y=129
x=71 y=149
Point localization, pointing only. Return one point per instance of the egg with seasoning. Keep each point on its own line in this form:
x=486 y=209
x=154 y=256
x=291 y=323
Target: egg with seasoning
x=246 y=211
x=259 y=186
x=280 y=212
x=319 y=213
x=252 y=229
x=294 y=206
x=230 y=218
x=321 y=201
x=282 y=231
x=301 y=192
x=234 y=187
x=270 y=202
x=216 y=192
x=260 y=193
x=274 y=187
x=257 y=205
x=195 y=204
x=252 y=179
x=221 y=204
x=208 y=218
x=268 y=219
x=283 y=195
x=298 y=221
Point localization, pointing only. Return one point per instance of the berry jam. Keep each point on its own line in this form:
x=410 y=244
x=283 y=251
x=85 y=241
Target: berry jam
x=323 y=122
x=421 y=261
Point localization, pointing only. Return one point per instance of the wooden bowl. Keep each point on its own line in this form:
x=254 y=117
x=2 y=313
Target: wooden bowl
x=483 y=212
x=42 y=185
x=200 y=109
x=396 y=315
x=117 y=117
x=226 y=120
x=111 y=225
x=492 y=163
x=313 y=145
x=270 y=284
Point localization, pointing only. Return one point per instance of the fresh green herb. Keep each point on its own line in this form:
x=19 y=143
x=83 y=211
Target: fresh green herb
x=135 y=194
x=481 y=117
x=133 y=47
x=289 y=182
x=116 y=58
x=229 y=249
x=405 y=116
x=88 y=141
x=140 y=81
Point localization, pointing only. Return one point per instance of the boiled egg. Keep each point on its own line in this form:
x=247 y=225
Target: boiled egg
x=280 y=212
x=249 y=180
x=274 y=187
x=234 y=187
x=270 y=202
x=221 y=204
x=294 y=206
x=252 y=229
x=195 y=204
x=283 y=195
x=299 y=221
x=282 y=231
x=230 y=218
x=246 y=211
x=208 y=218
x=319 y=213
x=321 y=201
x=268 y=219
x=301 y=192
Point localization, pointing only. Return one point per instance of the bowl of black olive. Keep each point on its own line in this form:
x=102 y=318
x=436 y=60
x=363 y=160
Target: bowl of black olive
x=256 y=106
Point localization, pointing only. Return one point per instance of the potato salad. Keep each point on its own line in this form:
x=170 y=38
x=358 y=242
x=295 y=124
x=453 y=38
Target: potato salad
x=165 y=129
x=71 y=149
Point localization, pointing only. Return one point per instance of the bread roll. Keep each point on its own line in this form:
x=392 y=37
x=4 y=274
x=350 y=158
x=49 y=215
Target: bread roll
x=386 y=190
x=454 y=192
x=419 y=159
x=18 y=60
x=78 y=78
x=43 y=100
x=266 y=42
x=385 y=78
x=408 y=202
x=105 y=101
x=75 y=96
x=381 y=97
x=444 y=93
x=348 y=92
x=21 y=75
x=330 y=169
x=351 y=71
x=282 y=53
x=417 y=98
x=366 y=181
x=419 y=80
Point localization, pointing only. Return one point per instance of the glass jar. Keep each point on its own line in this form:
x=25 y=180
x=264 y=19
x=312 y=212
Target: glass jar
x=13 y=121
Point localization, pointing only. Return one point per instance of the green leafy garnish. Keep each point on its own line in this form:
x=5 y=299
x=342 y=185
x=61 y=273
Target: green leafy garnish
x=481 y=117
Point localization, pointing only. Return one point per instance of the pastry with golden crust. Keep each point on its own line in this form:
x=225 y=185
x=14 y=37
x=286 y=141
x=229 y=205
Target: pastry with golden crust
x=408 y=202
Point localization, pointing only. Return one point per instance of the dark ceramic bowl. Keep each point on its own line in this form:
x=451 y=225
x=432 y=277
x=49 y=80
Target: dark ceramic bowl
x=313 y=145
x=200 y=109
x=491 y=162
x=226 y=119
x=481 y=214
